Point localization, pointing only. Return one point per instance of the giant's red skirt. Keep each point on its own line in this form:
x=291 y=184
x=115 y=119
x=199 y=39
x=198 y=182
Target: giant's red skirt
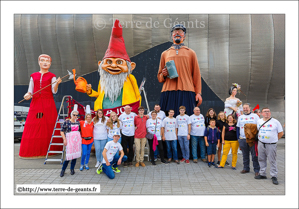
x=38 y=131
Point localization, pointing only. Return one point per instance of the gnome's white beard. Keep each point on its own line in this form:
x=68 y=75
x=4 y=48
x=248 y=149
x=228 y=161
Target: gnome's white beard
x=112 y=84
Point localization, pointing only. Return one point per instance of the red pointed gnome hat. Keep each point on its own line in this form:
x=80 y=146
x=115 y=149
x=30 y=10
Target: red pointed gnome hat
x=117 y=48
x=256 y=107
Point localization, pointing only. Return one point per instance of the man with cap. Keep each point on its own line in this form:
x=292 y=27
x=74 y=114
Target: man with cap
x=184 y=90
x=117 y=86
x=111 y=161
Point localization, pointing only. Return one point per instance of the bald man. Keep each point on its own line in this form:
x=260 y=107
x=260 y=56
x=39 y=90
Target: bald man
x=128 y=132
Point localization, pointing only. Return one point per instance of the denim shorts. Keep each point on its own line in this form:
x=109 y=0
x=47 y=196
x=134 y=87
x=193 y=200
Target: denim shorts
x=211 y=149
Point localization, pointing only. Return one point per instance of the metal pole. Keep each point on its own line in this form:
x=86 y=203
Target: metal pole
x=148 y=110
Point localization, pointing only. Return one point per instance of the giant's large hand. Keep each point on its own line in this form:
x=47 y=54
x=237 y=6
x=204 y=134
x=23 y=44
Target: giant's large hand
x=199 y=99
x=88 y=88
x=165 y=72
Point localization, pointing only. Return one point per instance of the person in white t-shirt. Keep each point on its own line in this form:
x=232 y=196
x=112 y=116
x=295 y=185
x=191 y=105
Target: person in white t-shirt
x=114 y=125
x=252 y=118
x=110 y=160
x=127 y=133
x=183 y=126
x=160 y=113
x=153 y=126
x=197 y=134
x=100 y=135
x=269 y=134
x=170 y=137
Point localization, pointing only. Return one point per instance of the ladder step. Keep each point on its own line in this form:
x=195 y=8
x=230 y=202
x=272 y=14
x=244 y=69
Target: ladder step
x=55 y=152
x=60 y=121
x=56 y=136
x=57 y=129
x=56 y=143
x=63 y=114
x=53 y=160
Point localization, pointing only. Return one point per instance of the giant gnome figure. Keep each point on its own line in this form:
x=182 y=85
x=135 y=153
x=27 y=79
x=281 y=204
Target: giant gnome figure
x=117 y=86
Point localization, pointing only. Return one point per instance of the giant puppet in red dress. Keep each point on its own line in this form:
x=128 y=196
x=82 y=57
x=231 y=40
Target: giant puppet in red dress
x=42 y=112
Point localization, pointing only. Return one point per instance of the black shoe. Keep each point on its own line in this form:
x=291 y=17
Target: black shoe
x=209 y=164
x=153 y=163
x=226 y=163
x=72 y=171
x=164 y=161
x=62 y=173
x=212 y=163
x=274 y=180
x=260 y=177
x=218 y=162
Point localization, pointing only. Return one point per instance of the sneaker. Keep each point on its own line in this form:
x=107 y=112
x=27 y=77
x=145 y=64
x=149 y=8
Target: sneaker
x=195 y=161
x=260 y=177
x=212 y=163
x=226 y=163
x=142 y=164
x=274 y=180
x=187 y=161
x=218 y=162
x=209 y=164
x=125 y=164
x=204 y=160
x=234 y=168
x=115 y=170
x=177 y=162
x=155 y=159
x=81 y=168
x=183 y=160
x=137 y=165
x=100 y=170
x=154 y=163
x=86 y=167
x=98 y=164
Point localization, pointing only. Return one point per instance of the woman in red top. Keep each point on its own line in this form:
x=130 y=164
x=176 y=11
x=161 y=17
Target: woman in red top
x=42 y=112
x=87 y=140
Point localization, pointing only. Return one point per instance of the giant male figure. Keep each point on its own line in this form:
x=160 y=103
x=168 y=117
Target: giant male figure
x=184 y=90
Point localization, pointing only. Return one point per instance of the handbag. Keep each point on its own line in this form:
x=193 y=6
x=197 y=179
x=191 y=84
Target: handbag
x=257 y=134
x=149 y=135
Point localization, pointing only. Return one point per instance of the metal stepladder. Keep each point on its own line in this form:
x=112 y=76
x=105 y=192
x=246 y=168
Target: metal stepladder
x=58 y=121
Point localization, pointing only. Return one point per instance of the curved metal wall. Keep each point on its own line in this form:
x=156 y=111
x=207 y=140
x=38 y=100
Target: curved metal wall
x=247 y=49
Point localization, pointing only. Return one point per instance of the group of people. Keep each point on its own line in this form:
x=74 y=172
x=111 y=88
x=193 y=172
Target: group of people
x=114 y=138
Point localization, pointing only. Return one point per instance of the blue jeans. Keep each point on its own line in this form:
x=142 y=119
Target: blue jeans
x=86 y=148
x=195 y=140
x=245 y=152
x=108 y=169
x=184 y=144
x=172 y=146
x=156 y=152
x=66 y=162
x=211 y=149
x=110 y=139
x=99 y=148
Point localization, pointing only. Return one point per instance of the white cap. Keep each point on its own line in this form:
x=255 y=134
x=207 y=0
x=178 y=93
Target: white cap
x=87 y=109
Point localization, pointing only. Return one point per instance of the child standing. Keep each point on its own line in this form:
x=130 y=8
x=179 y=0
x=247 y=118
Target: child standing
x=212 y=139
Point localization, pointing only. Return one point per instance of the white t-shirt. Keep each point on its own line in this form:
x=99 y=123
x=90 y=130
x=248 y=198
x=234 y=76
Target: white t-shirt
x=268 y=133
x=100 y=130
x=182 y=124
x=115 y=129
x=169 y=128
x=112 y=148
x=244 y=119
x=197 y=125
x=128 y=127
x=160 y=114
x=150 y=126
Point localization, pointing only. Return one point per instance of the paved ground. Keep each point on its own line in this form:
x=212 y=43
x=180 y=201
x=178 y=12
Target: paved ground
x=172 y=179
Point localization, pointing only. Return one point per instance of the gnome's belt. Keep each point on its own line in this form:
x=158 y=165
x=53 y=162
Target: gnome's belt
x=87 y=138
